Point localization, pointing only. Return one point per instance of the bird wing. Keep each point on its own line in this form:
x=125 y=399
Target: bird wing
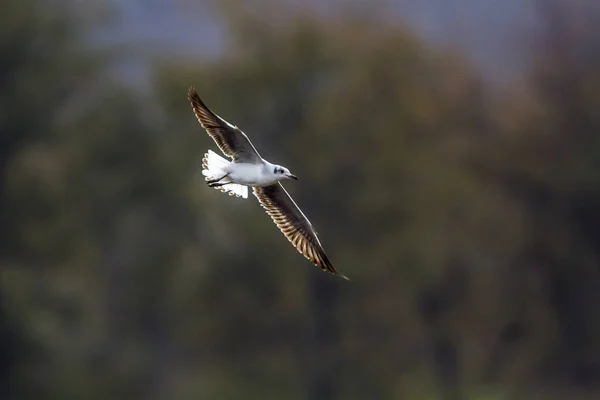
x=231 y=140
x=294 y=224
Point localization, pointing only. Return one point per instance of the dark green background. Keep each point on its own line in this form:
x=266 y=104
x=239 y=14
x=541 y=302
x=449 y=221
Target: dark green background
x=467 y=215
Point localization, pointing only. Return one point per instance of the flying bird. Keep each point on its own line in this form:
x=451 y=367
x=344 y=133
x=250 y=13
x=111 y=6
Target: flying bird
x=248 y=168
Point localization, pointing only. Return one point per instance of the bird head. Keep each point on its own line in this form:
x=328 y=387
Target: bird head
x=283 y=173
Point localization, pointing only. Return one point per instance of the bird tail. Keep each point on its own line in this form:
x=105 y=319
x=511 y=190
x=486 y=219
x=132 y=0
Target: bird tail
x=212 y=168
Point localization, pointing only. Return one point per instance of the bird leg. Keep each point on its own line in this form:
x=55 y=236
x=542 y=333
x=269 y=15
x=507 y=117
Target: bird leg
x=218 y=184
x=211 y=181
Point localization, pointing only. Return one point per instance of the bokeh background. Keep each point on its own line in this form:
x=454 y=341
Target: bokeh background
x=448 y=155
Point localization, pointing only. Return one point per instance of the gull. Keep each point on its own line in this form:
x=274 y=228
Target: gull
x=248 y=169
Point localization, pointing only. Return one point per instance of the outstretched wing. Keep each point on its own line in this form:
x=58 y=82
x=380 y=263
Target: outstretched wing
x=294 y=224
x=230 y=139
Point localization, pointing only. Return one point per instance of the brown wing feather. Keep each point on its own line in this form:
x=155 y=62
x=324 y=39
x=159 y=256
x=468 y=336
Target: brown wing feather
x=230 y=139
x=294 y=225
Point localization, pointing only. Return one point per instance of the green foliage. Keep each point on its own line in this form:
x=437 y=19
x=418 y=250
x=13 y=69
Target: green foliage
x=469 y=231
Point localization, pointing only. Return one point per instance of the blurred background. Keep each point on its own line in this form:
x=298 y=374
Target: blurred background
x=448 y=155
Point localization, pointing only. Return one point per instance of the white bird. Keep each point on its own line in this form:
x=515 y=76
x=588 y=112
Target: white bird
x=248 y=168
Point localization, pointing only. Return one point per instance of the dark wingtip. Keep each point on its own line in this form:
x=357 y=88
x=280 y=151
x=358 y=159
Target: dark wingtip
x=194 y=97
x=332 y=270
x=197 y=104
x=344 y=276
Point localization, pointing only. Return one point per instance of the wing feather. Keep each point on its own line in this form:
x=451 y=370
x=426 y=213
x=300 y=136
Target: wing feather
x=294 y=225
x=231 y=140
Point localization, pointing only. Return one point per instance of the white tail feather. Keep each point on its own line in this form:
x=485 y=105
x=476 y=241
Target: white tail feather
x=213 y=165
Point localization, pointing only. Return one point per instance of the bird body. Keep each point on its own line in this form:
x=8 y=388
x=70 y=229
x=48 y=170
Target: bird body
x=248 y=169
x=253 y=174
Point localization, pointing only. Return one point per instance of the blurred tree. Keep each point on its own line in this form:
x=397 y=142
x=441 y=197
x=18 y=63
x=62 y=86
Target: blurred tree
x=85 y=192
x=123 y=276
x=548 y=159
x=391 y=120
x=39 y=47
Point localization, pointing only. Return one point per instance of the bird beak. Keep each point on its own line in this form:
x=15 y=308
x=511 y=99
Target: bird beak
x=294 y=177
